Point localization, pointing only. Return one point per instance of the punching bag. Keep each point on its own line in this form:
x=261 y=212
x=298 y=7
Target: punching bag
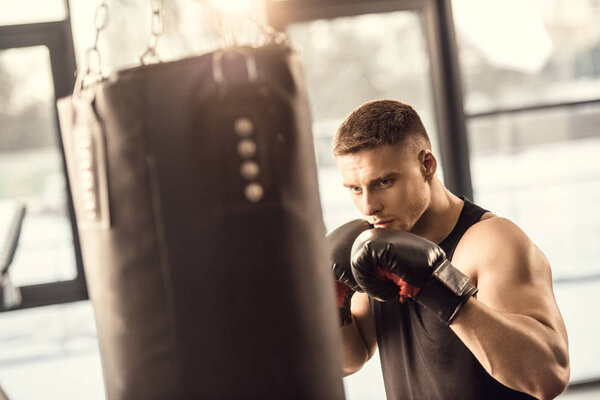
x=195 y=189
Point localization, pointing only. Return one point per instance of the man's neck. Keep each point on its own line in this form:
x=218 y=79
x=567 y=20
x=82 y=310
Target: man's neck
x=441 y=216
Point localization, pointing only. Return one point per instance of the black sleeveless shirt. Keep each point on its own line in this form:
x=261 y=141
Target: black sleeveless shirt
x=422 y=358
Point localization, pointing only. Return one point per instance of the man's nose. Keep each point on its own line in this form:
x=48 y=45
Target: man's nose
x=371 y=204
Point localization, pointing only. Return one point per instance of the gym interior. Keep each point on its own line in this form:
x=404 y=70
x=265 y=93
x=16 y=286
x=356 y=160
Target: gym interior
x=508 y=90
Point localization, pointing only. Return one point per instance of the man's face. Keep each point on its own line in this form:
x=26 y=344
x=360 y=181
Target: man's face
x=387 y=185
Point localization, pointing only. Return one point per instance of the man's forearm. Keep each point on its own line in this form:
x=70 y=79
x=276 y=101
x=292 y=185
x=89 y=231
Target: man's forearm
x=354 y=349
x=517 y=350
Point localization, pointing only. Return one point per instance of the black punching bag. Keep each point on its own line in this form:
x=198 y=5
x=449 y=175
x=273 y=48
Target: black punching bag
x=195 y=189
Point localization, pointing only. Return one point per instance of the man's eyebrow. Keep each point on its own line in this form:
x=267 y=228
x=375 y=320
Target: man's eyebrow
x=389 y=175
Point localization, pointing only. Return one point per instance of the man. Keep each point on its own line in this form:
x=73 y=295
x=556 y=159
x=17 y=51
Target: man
x=483 y=326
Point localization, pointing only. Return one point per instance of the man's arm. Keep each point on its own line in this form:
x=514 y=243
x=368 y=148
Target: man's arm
x=355 y=318
x=513 y=326
x=359 y=340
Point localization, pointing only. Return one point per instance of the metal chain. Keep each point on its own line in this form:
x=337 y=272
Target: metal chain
x=92 y=65
x=270 y=34
x=156 y=30
x=92 y=54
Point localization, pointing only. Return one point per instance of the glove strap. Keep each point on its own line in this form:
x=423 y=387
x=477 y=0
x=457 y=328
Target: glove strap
x=446 y=292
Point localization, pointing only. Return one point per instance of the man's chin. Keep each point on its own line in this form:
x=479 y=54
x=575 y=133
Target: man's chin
x=403 y=227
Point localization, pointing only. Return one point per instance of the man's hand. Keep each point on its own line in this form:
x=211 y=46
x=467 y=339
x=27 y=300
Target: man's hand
x=395 y=266
x=340 y=244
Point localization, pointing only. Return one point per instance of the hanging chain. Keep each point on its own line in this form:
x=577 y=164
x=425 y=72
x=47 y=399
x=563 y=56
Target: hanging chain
x=93 y=65
x=269 y=34
x=156 y=30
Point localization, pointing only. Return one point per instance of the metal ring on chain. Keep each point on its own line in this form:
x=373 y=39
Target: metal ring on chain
x=157 y=23
x=101 y=16
x=156 y=30
x=92 y=65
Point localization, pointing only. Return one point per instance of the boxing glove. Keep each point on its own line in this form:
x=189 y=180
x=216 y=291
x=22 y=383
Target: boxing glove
x=396 y=266
x=339 y=243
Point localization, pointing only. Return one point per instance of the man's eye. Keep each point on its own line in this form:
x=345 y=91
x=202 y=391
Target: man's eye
x=385 y=182
x=355 y=189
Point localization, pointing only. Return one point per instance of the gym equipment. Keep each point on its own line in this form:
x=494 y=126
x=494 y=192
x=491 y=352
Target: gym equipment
x=195 y=189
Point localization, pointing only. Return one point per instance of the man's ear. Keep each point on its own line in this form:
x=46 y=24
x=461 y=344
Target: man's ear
x=428 y=163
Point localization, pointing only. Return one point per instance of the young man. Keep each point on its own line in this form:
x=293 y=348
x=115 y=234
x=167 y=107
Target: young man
x=483 y=326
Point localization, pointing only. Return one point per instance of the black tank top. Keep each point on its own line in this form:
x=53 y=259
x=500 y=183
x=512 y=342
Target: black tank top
x=422 y=358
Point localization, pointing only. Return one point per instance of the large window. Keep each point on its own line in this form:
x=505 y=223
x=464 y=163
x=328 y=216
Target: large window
x=41 y=347
x=532 y=99
x=31 y=168
x=37 y=67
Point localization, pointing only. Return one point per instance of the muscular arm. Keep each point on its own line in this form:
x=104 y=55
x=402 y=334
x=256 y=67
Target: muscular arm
x=513 y=326
x=358 y=338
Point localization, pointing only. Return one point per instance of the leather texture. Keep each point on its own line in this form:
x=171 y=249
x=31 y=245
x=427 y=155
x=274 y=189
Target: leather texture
x=201 y=291
x=339 y=243
x=416 y=261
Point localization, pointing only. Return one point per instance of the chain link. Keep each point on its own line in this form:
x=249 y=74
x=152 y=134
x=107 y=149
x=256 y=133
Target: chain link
x=92 y=63
x=156 y=30
x=100 y=19
x=270 y=34
x=92 y=55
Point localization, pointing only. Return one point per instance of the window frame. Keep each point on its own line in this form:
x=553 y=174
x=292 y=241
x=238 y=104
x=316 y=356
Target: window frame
x=58 y=39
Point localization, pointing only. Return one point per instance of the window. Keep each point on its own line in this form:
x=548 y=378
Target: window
x=31 y=168
x=36 y=68
x=532 y=99
x=41 y=346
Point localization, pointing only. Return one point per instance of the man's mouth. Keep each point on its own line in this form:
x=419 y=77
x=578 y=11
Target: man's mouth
x=385 y=223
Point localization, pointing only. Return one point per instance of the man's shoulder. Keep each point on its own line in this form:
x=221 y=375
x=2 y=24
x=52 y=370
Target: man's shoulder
x=495 y=241
x=492 y=236
x=491 y=229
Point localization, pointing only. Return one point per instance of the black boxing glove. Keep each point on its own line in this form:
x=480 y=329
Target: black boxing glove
x=340 y=243
x=395 y=266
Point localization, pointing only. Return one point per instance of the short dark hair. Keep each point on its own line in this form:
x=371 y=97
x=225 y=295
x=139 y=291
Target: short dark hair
x=378 y=123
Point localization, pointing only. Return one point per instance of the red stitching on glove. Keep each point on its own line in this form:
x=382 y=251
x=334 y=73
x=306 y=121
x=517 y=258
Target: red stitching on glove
x=406 y=290
x=341 y=290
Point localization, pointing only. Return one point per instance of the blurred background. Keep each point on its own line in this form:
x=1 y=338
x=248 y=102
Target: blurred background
x=508 y=90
